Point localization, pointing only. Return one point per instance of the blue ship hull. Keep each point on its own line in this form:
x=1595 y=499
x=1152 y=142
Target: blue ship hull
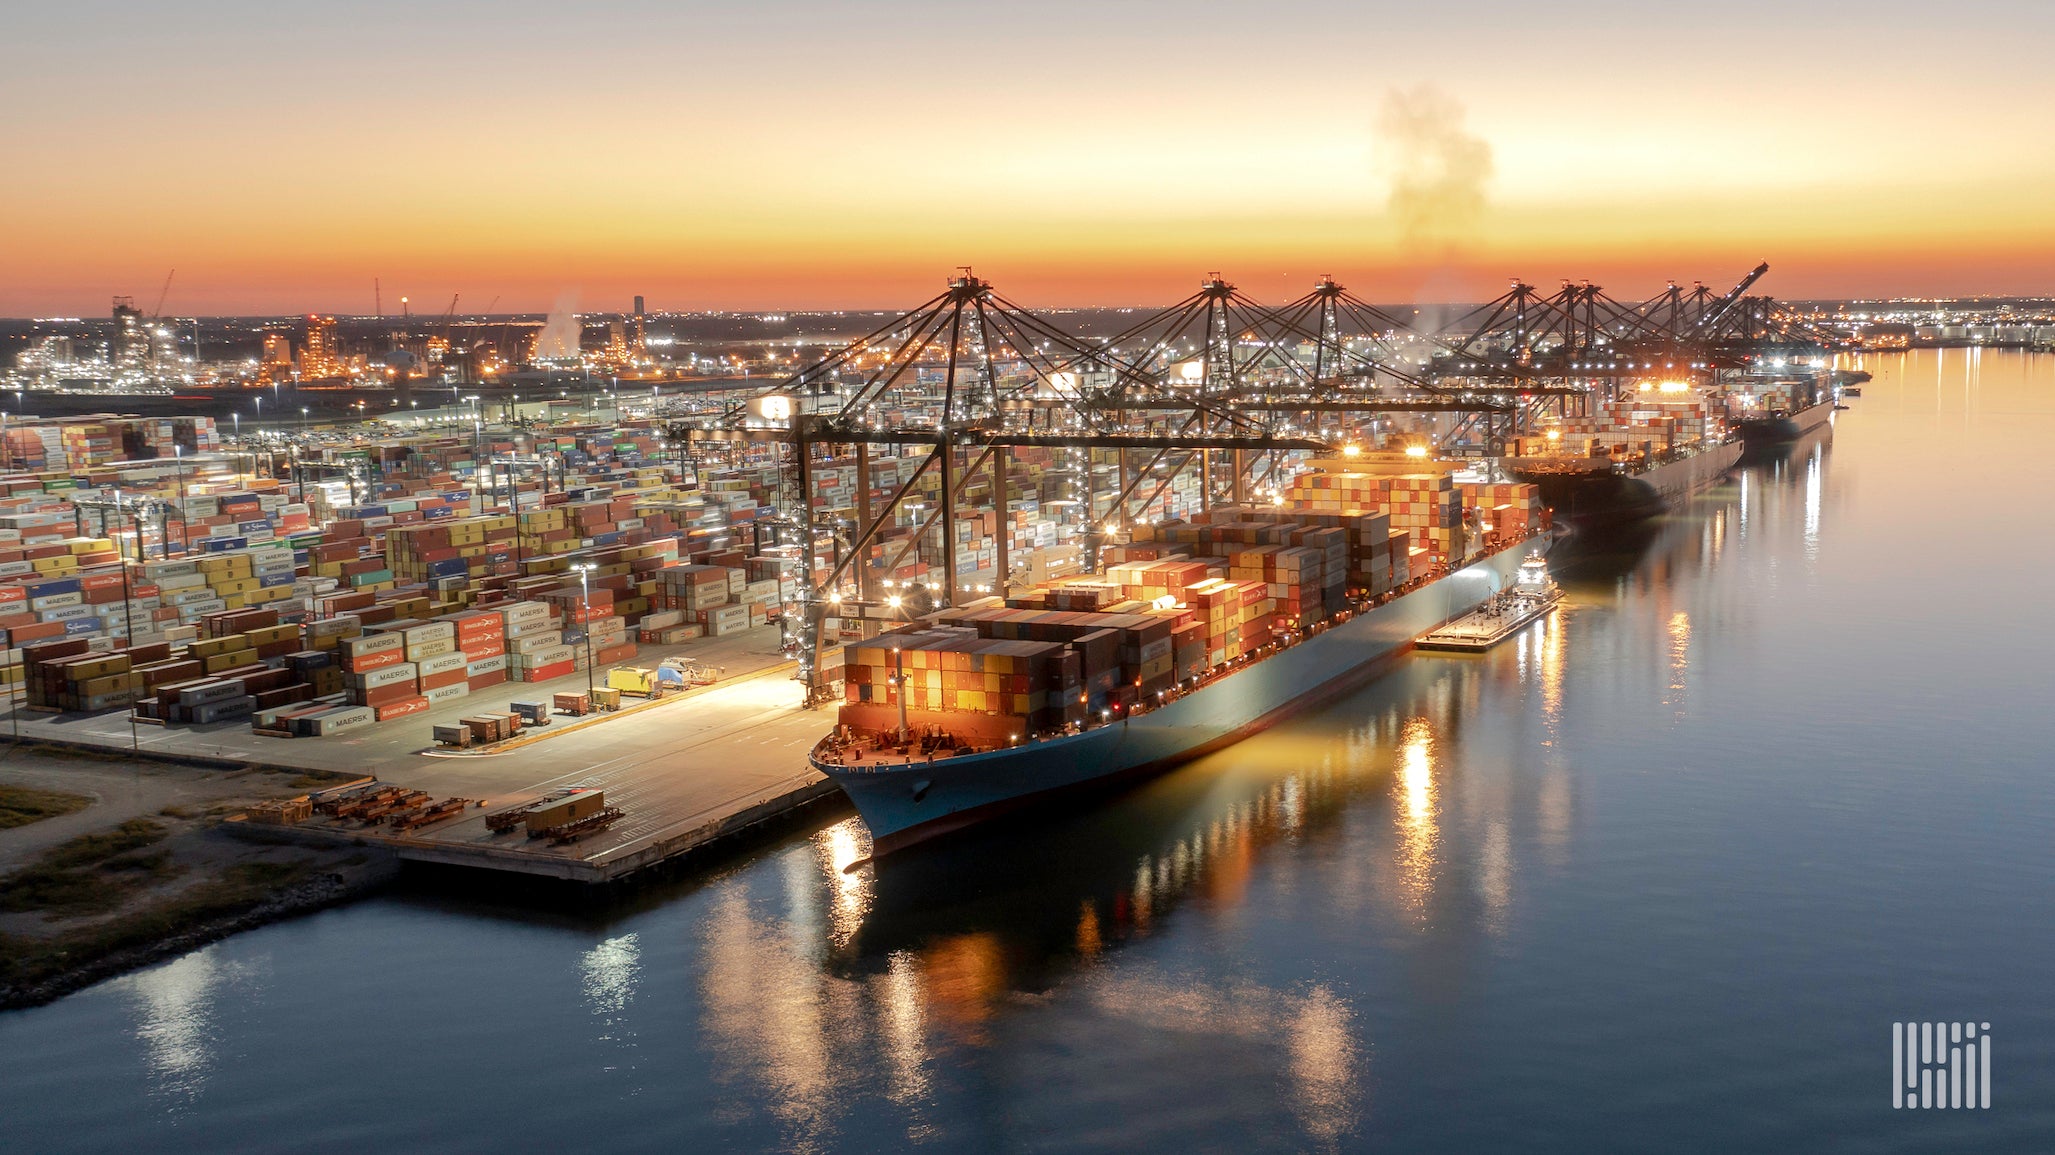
x=910 y=803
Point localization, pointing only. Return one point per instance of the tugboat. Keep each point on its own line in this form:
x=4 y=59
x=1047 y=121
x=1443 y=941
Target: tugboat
x=1532 y=594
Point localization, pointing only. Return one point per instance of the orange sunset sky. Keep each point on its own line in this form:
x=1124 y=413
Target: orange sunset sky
x=793 y=154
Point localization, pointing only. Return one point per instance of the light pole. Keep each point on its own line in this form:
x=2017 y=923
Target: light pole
x=178 y=453
x=584 y=571
x=899 y=669
x=128 y=605
x=135 y=508
x=477 y=449
x=237 y=417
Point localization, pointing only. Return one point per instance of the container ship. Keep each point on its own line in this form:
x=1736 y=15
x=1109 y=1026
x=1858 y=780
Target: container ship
x=194 y=400
x=1777 y=412
x=1196 y=635
x=1635 y=459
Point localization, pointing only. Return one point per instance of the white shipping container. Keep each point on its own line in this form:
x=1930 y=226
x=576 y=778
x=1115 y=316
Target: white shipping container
x=209 y=692
x=431 y=632
x=372 y=644
x=345 y=718
x=385 y=676
x=442 y=663
x=530 y=643
x=447 y=693
x=530 y=628
x=339 y=626
x=545 y=657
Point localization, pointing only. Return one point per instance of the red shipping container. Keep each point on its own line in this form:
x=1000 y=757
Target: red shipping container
x=481 y=681
x=363 y=663
x=402 y=708
x=446 y=678
x=386 y=695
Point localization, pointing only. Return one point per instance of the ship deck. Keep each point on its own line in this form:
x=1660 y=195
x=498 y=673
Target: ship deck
x=881 y=752
x=1484 y=628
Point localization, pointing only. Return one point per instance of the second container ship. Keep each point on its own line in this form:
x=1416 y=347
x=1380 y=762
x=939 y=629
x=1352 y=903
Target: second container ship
x=1635 y=458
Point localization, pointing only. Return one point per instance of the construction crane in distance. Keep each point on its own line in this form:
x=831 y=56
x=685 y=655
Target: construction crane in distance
x=158 y=310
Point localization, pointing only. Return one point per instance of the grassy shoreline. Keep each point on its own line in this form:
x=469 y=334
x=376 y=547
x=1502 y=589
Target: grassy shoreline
x=154 y=880
x=241 y=896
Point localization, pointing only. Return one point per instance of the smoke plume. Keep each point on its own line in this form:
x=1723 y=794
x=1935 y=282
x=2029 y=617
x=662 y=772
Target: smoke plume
x=1438 y=169
x=558 y=340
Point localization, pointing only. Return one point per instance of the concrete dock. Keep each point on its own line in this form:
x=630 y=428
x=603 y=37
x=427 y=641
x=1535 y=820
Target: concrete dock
x=687 y=770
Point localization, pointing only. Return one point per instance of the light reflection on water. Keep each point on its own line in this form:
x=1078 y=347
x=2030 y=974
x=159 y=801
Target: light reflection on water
x=1591 y=890
x=176 y=1009
x=608 y=974
x=917 y=956
x=1415 y=814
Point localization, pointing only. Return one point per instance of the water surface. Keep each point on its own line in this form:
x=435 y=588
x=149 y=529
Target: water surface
x=1658 y=875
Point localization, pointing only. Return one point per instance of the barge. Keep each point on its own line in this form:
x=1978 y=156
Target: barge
x=1531 y=596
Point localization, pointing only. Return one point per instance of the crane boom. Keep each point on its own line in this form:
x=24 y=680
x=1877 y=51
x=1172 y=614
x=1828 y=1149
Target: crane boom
x=1721 y=307
x=162 y=293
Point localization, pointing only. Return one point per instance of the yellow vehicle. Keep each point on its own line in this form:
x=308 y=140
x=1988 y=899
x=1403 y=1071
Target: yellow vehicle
x=639 y=680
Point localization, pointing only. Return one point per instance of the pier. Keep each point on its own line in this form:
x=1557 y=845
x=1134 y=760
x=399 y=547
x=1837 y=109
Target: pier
x=689 y=770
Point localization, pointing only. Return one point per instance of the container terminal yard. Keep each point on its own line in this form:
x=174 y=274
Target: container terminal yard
x=575 y=638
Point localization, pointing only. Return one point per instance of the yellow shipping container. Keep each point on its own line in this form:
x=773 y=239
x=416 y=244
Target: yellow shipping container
x=229 y=660
x=98 y=668
x=208 y=647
